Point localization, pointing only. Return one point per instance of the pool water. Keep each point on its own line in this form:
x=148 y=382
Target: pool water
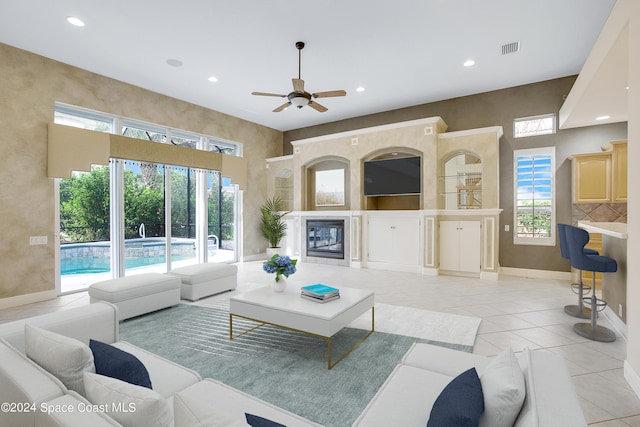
x=103 y=265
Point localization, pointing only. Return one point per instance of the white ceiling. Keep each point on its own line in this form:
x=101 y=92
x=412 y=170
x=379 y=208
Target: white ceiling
x=404 y=52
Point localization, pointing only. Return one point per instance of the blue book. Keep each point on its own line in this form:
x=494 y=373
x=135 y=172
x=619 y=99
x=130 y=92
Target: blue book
x=319 y=290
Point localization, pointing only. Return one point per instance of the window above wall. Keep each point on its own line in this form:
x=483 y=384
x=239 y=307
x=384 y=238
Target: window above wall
x=534 y=126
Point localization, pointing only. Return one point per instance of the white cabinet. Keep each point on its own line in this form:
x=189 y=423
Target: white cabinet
x=460 y=246
x=394 y=240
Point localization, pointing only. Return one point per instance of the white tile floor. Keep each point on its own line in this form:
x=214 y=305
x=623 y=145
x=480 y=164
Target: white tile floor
x=515 y=312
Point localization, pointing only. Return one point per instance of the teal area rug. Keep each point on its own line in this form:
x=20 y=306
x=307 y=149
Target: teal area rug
x=286 y=368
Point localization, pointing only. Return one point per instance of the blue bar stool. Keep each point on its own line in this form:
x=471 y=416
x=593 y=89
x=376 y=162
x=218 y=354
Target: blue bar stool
x=579 y=310
x=576 y=239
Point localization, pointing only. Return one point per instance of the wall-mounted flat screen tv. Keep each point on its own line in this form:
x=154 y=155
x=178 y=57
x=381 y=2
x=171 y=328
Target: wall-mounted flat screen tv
x=392 y=176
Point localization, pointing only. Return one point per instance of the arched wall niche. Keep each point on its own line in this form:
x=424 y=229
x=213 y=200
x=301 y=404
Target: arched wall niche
x=392 y=202
x=391 y=152
x=327 y=184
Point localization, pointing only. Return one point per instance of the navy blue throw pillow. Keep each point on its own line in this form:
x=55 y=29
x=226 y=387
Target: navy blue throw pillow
x=256 y=421
x=460 y=403
x=115 y=363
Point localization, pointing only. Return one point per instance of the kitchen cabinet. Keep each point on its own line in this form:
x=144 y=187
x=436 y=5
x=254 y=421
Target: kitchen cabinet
x=619 y=169
x=591 y=177
x=460 y=246
x=601 y=177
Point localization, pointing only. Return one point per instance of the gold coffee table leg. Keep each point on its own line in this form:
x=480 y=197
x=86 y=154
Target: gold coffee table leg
x=328 y=339
x=329 y=364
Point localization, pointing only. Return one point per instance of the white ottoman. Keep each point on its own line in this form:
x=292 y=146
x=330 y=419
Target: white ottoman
x=203 y=280
x=139 y=294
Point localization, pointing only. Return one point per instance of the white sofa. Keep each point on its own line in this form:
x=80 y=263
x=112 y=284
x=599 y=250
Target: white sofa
x=37 y=398
x=405 y=399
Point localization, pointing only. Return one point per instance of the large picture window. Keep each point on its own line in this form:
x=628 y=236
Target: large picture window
x=534 y=198
x=172 y=216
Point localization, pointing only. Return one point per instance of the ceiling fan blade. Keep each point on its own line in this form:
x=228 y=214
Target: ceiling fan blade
x=317 y=106
x=268 y=94
x=282 y=107
x=298 y=85
x=329 y=94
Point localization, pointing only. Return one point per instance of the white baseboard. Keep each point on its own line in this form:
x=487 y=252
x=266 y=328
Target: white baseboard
x=536 y=274
x=27 y=299
x=632 y=378
x=393 y=267
x=428 y=271
x=615 y=321
x=256 y=257
x=489 y=275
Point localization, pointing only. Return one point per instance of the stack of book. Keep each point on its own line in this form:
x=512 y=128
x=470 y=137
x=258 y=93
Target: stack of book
x=320 y=293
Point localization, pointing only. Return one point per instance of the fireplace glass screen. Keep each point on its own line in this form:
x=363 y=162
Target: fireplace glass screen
x=325 y=238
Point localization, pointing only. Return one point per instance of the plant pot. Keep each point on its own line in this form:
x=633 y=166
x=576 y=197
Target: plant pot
x=272 y=251
x=280 y=285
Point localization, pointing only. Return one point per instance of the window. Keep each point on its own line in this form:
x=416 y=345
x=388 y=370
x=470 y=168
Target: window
x=534 y=198
x=172 y=215
x=532 y=126
x=330 y=187
x=83 y=119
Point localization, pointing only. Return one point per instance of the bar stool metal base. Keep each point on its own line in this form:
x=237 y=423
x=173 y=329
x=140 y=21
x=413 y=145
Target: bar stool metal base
x=600 y=333
x=577 y=311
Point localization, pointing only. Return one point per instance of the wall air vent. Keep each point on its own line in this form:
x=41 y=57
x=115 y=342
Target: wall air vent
x=510 y=48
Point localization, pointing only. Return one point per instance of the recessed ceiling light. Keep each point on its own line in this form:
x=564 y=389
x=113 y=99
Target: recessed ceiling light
x=627 y=88
x=360 y=89
x=74 y=20
x=605 y=117
x=213 y=79
x=469 y=63
x=174 y=62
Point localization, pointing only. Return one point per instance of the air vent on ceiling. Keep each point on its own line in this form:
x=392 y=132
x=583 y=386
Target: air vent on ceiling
x=510 y=48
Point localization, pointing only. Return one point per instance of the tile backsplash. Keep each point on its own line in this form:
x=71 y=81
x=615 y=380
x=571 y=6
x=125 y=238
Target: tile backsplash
x=599 y=212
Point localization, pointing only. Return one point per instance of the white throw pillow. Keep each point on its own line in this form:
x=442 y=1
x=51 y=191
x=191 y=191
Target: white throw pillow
x=503 y=389
x=130 y=405
x=64 y=357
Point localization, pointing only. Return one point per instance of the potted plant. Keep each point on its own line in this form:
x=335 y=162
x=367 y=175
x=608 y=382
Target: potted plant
x=282 y=266
x=272 y=225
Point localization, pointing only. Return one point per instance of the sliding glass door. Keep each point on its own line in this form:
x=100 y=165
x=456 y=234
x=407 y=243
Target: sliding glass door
x=133 y=217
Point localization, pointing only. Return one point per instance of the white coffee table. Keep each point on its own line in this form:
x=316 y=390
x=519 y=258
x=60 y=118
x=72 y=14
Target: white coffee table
x=290 y=311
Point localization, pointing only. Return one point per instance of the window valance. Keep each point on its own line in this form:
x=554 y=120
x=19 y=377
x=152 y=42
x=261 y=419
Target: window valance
x=75 y=149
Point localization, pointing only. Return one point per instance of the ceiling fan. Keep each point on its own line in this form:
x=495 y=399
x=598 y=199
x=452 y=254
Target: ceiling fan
x=299 y=97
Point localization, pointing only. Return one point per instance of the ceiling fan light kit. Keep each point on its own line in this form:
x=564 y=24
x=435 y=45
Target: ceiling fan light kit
x=299 y=97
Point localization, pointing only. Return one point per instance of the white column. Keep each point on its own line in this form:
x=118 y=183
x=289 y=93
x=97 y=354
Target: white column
x=632 y=364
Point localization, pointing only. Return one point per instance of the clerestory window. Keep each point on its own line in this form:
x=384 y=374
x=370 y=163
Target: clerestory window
x=533 y=126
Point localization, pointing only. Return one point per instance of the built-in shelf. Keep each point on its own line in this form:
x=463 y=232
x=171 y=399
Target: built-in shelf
x=461 y=191
x=396 y=202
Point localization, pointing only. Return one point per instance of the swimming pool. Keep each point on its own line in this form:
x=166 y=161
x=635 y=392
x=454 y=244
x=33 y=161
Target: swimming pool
x=95 y=257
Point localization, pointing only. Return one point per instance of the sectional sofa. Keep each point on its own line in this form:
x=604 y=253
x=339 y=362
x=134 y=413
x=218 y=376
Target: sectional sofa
x=535 y=390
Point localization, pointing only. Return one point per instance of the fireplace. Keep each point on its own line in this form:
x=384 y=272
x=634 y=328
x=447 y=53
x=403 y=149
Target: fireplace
x=325 y=238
